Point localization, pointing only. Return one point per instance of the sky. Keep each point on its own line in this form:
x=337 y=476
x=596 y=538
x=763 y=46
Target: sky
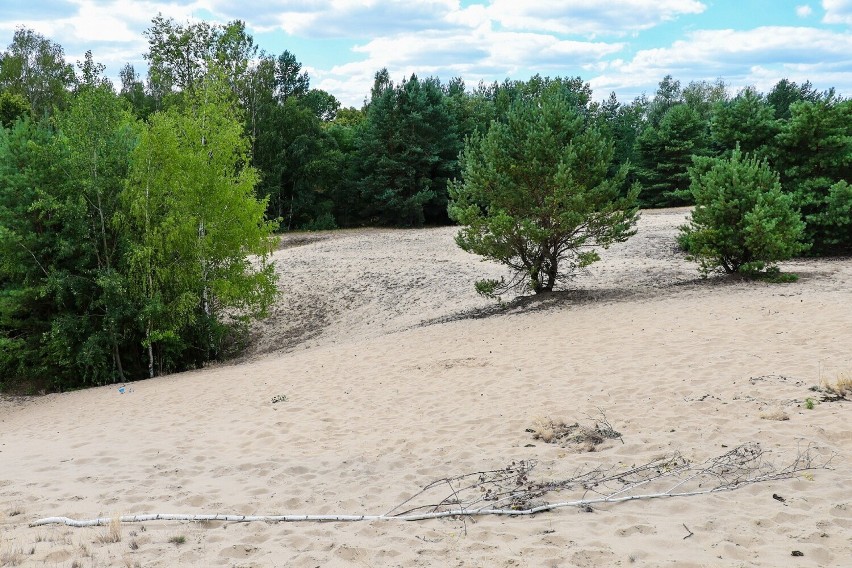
x=621 y=46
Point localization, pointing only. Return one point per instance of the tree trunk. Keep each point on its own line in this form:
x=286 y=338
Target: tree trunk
x=552 y=271
x=150 y=351
x=117 y=355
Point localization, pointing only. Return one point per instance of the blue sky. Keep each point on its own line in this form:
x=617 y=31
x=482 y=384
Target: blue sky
x=625 y=46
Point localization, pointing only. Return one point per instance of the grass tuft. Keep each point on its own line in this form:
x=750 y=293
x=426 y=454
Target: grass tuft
x=777 y=414
x=112 y=533
x=840 y=388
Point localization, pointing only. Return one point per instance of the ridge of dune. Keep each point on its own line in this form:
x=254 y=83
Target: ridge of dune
x=364 y=283
x=382 y=371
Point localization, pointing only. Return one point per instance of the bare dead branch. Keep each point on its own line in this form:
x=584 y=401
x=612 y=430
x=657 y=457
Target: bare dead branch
x=511 y=491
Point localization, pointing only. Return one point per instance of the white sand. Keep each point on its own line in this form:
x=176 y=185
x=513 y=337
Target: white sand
x=379 y=404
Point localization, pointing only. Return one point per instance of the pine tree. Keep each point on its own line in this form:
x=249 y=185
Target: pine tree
x=742 y=221
x=665 y=154
x=406 y=153
x=813 y=152
x=535 y=194
x=747 y=120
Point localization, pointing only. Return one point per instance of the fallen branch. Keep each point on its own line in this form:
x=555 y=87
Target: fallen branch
x=510 y=492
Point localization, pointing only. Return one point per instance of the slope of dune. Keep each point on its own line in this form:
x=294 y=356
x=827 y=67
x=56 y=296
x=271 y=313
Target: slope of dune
x=381 y=372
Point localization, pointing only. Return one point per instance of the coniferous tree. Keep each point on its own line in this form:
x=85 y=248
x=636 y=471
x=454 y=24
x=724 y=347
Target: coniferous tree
x=406 y=153
x=669 y=95
x=535 y=194
x=665 y=154
x=36 y=251
x=742 y=221
x=747 y=120
x=786 y=92
x=813 y=152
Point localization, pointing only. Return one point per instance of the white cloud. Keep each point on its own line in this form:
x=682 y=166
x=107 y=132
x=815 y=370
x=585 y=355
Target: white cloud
x=338 y=18
x=803 y=11
x=364 y=18
x=102 y=20
x=589 y=17
x=474 y=55
x=111 y=29
x=837 y=11
x=759 y=56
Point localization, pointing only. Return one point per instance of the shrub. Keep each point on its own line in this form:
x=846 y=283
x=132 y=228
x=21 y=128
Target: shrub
x=742 y=222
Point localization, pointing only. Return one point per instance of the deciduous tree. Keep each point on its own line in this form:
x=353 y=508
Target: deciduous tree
x=200 y=244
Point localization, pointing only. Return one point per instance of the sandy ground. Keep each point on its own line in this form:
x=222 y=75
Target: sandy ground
x=389 y=373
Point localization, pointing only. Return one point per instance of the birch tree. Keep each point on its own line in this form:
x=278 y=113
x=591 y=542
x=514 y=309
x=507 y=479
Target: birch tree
x=201 y=245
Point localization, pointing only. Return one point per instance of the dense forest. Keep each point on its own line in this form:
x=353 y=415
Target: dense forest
x=136 y=219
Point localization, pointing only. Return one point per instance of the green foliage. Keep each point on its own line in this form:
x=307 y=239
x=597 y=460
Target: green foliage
x=703 y=97
x=837 y=219
x=297 y=157
x=324 y=105
x=60 y=195
x=506 y=94
x=665 y=154
x=668 y=96
x=180 y=56
x=193 y=221
x=786 y=92
x=12 y=107
x=98 y=132
x=742 y=222
x=126 y=251
x=34 y=251
x=406 y=153
x=773 y=275
x=535 y=194
x=813 y=152
x=133 y=91
x=34 y=68
x=747 y=120
x=623 y=124
x=65 y=314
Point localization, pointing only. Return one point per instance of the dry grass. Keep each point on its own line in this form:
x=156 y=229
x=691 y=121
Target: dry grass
x=841 y=387
x=112 y=533
x=545 y=429
x=15 y=511
x=585 y=438
x=11 y=556
x=776 y=414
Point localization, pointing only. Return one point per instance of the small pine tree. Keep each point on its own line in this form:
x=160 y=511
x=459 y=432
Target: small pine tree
x=536 y=195
x=742 y=221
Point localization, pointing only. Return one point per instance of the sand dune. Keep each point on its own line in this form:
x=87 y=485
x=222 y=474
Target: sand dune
x=396 y=374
